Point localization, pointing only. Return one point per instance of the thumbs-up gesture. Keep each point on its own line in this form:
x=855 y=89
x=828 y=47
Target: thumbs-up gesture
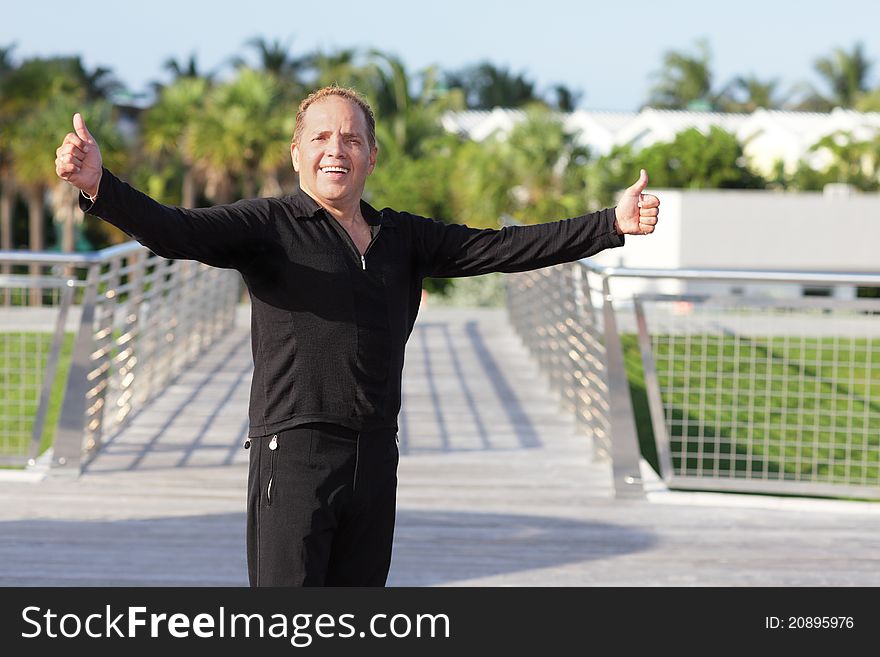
x=78 y=159
x=636 y=211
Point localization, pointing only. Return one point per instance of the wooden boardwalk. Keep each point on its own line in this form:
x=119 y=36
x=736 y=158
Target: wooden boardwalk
x=496 y=488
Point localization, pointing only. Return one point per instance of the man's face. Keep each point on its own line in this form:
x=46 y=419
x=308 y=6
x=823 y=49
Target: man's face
x=333 y=157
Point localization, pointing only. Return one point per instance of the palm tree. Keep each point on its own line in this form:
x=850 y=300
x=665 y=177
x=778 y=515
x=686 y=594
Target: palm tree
x=546 y=165
x=38 y=96
x=565 y=99
x=181 y=69
x=535 y=173
x=748 y=93
x=846 y=77
x=274 y=57
x=7 y=181
x=31 y=153
x=685 y=80
x=6 y=62
x=7 y=194
x=29 y=93
x=339 y=68
x=406 y=120
x=244 y=133
x=486 y=86
x=99 y=83
x=168 y=127
x=185 y=69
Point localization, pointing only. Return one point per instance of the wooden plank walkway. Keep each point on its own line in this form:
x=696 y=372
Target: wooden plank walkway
x=496 y=488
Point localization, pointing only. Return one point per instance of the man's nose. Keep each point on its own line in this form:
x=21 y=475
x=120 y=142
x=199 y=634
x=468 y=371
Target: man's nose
x=335 y=145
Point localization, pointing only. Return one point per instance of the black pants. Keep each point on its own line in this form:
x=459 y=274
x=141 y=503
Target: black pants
x=321 y=505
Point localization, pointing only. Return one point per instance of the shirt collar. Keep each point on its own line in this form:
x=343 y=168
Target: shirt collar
x=312 y=208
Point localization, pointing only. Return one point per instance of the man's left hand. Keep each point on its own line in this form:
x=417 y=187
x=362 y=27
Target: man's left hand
x=637 y=212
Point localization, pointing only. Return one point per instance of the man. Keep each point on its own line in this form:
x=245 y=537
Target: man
x=335 y=288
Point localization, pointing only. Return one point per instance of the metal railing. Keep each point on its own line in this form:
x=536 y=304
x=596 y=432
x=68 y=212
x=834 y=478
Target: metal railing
x=733 y=393
x=104 y=332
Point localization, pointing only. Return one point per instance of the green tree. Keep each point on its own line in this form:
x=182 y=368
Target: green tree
x=7 y=64
x=39 y=97
x=685 y=80
x=748 y=93
x=37 y=137
x=869 y=101
x=404 y=120
x=167 y=131
x=535 y=174
x=692 y=160
x=845 y=75
x=188 y=68
x=486 y=85
x=274 y=57
x=422 y=185
x=564 y=98
x=339 y=68
x=7 y=181
x=853 y=162
x=243 y=135
x=416 y=156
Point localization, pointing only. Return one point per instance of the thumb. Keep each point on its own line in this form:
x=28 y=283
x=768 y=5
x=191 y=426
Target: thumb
x=639 y=185
x=79 y=125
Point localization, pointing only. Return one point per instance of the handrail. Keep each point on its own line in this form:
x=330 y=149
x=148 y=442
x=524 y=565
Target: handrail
x=750 y=275
x=24 y=256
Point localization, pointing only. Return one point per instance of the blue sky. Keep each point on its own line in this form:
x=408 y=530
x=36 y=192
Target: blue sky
x=609 y=50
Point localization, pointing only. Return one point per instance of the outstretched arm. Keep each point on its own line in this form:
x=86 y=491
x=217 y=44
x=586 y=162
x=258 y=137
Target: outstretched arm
x=449 y=250
x=228 y=236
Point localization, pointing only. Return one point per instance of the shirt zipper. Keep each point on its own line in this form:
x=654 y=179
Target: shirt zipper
x=354 y=246
x=367 y=250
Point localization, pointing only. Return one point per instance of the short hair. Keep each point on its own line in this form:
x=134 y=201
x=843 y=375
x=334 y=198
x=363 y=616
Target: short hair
x=343 y=92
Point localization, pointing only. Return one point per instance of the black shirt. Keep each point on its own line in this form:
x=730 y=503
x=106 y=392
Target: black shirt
x=328 y=327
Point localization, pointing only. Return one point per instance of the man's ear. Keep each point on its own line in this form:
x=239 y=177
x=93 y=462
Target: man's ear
x=373 y=151
x=294 y=157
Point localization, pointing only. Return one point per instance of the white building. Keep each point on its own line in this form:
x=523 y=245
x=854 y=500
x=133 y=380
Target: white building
x=754 y=230
x=767 y=135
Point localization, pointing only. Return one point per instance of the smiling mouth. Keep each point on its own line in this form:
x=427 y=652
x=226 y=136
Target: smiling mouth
x=334 y=170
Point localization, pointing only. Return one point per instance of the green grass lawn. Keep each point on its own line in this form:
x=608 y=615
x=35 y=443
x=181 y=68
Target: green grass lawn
x=23 y=359
x=778 y=408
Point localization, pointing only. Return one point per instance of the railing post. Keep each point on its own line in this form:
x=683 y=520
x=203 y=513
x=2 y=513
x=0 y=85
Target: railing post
x=67 y=453
x=50 y=371
x=655 y=398
x=625 y=452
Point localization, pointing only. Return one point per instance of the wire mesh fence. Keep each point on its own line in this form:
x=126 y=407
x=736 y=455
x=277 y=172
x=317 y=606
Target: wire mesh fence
x=34 y=359
x=767 y=397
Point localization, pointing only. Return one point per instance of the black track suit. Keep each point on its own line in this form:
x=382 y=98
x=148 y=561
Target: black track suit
x=329 y=327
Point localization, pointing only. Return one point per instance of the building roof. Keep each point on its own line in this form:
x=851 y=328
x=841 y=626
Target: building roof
x=602 y=130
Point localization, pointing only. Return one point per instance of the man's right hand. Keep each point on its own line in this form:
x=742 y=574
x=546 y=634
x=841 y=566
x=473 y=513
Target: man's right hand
x=78 y=159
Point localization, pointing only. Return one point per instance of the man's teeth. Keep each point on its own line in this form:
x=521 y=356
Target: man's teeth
x=334 y=170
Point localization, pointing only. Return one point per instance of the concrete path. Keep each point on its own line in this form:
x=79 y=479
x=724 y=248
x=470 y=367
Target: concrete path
x=496 y=488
